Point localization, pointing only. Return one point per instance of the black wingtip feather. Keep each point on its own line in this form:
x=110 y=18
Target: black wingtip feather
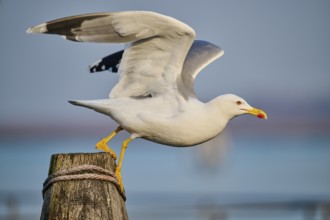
x=73 y=102
x=109 y=62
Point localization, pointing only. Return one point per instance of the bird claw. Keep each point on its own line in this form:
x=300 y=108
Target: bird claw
x=102 y=145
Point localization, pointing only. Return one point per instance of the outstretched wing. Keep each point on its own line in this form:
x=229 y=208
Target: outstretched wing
x=201 y=54
x=153 y=61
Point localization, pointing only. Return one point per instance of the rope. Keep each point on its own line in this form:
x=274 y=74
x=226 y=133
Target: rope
x=73 y=174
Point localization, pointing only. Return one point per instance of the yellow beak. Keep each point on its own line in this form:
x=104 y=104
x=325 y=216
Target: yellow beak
x=257 y=112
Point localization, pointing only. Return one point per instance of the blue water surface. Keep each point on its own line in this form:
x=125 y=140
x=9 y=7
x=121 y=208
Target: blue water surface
x=230 y=178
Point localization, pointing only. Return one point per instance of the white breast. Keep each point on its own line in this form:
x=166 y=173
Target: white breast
x=192 y=123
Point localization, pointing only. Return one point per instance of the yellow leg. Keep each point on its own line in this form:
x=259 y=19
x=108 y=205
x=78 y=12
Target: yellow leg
x=102 y=145
x=119 y=164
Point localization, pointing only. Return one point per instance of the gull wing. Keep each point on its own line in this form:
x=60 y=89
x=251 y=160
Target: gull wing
x=153 y=60
x=201 y=54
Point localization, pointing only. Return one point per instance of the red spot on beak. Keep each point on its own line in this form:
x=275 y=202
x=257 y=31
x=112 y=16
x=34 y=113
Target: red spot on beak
x=260 y=115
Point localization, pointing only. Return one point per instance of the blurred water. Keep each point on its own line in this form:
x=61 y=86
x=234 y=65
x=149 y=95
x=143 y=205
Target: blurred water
x=258 y=178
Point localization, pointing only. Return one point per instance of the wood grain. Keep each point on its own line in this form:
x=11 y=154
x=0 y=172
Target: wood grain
x=82 y=199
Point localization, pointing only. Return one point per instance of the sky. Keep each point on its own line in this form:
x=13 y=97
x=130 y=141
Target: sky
x=276 y=55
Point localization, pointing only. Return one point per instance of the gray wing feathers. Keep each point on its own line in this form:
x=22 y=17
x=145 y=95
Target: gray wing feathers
x=96 y=27
x=199 y=56
x=152 y=62
x=157 y=59
x=111 y=27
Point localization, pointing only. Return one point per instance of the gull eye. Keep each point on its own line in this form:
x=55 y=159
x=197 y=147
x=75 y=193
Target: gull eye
x=238 y=102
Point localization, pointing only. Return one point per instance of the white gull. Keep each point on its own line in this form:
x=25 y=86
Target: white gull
x=154 y=98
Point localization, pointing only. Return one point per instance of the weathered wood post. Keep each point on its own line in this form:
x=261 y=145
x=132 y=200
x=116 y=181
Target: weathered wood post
x=81 y=186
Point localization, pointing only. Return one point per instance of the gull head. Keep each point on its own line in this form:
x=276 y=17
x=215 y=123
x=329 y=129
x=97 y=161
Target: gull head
x=233 y=105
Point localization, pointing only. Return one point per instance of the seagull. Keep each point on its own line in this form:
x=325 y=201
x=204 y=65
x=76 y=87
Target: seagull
x=154 y=98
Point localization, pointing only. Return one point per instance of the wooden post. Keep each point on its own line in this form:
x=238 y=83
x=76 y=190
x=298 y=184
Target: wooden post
x=85 y=198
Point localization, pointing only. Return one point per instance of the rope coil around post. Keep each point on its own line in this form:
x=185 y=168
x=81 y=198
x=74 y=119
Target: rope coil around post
x=95 y=173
